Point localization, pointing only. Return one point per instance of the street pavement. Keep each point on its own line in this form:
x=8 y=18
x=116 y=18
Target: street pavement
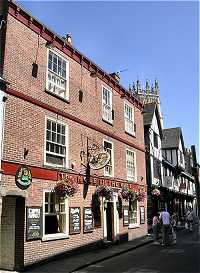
x=184 y=257
x=138 y=256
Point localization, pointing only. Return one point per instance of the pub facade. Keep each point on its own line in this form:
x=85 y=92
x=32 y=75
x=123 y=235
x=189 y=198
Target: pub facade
x=72 y=155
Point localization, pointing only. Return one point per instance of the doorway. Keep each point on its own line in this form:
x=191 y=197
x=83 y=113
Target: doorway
x=12 y=232
x=109 y=221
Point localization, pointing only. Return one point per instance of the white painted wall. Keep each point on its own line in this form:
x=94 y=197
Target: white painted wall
x=155 y=152
x=180 y=150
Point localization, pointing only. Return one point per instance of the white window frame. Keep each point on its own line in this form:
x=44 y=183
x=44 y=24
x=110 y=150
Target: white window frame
x=112 y=158
x=66 y=142
x=55 y=236
x=134 y=225
x=66 y=96
x=127 y=120
x=103 y=105
x=129 y=178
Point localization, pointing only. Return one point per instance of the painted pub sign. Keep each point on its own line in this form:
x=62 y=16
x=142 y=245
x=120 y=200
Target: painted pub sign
x=23 y=177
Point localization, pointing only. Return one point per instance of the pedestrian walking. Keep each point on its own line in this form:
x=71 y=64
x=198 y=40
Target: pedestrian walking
x=174 y=220
x=165 y=221
x=189 y=218
x=156 y=228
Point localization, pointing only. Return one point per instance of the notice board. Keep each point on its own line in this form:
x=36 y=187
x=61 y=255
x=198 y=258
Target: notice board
x=74 y=220
x=88 y=221
x=33 y=223
x=125 y=216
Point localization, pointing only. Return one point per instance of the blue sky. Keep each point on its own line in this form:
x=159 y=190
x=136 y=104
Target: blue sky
x=150 y=39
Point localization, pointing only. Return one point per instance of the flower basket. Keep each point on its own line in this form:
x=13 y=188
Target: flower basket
x=66 y=187
x=155 y=193
x=131 y=195
x=128 y=194
x=105 y=191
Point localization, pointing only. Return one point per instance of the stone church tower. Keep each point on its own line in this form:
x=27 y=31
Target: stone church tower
x=148 y=95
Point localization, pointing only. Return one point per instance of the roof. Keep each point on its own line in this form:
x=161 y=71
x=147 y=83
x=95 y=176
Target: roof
x=171 y=138
x=149 y=110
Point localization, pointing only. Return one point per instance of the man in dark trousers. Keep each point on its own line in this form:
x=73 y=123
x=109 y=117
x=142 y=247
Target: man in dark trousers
x=165 y=220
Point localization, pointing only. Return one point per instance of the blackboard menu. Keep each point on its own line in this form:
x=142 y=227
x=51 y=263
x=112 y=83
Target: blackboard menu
x=142 y=215
x=33 y=223
x=125 y=216
x=74 y=220
x=88 y=223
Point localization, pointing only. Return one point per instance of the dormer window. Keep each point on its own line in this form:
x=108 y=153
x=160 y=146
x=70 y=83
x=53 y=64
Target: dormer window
x=57 y=75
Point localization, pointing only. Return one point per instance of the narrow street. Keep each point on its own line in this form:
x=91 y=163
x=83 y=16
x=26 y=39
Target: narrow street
x=181 y=258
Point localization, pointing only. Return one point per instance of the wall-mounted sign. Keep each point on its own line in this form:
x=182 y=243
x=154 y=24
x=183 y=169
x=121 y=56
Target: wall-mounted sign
x=88 y=223
x=33 y=223
x=125 y=216
x=23 y=177
x=74 y=220
x=142 y=215
x=99 y=160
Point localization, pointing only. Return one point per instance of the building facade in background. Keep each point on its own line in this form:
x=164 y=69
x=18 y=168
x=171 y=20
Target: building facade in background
x=169 y=165
x=72 y=156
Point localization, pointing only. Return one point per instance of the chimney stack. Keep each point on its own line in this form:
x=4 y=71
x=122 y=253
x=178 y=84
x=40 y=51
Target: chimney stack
x=115 y=76
x=68 y=38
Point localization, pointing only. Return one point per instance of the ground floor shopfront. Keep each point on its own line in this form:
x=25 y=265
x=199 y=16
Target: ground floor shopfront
x=173 y=202
x=37 y=225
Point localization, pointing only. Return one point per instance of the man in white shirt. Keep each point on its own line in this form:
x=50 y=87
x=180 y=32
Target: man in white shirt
x=165 y=220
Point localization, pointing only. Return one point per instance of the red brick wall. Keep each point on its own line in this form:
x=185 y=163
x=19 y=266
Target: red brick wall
x=25 y=128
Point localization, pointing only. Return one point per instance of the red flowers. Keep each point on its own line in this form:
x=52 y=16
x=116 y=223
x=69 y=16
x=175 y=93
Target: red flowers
x=66 y=187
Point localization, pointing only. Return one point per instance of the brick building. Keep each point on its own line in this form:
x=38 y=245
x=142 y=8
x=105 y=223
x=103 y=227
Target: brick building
x=60 y=116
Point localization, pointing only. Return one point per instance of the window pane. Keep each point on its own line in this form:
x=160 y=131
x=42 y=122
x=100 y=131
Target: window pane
x=48 y=124
x=58 y=128
x=54 y=126
x=48 y=135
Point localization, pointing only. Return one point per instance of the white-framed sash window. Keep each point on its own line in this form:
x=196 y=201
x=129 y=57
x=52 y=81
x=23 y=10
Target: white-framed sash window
x=109 y=168
x=131 y=165
x=129 y=119
x=56 y=133
x=57 y=74
x=133 y=215
x=106 y=104
x=55 y=216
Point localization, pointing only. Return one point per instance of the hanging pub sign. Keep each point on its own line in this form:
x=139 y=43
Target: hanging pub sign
x=33 y=223
x=125 y=216
x=88 y=223
x=74 y=220
x=23 y=177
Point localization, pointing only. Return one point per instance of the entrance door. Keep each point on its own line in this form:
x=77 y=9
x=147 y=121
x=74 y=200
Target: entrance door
x=109 y=221
x=12 y=232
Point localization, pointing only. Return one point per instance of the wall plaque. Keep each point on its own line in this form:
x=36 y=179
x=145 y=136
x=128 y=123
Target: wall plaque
x=74 y=220
x=88 y=222
x=33 y=223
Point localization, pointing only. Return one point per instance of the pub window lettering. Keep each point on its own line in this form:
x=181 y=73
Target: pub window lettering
x=57 y=75
x=55 y=143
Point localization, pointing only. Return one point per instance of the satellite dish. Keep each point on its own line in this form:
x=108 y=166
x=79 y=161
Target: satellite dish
x=99 y=160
